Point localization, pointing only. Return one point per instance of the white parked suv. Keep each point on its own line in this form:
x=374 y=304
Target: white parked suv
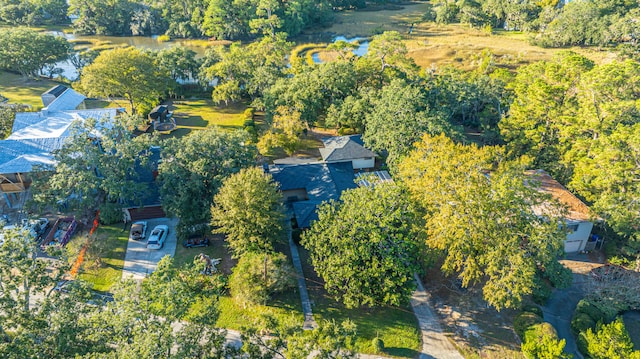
x=158 y=236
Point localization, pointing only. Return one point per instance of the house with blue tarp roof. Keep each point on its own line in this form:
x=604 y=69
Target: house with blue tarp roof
x=35 y=136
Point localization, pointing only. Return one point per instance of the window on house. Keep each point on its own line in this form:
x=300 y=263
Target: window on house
x=572 y=227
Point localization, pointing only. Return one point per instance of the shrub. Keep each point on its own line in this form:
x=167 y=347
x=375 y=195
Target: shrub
x=111 y=213
x=523 y=321
x=581 y=322
x=531 y=308
x=588 y=308
x=257 y=276
x=541 y=341
x=377 y=344
x=610 y=341
x=164 y=38
x=541 y=292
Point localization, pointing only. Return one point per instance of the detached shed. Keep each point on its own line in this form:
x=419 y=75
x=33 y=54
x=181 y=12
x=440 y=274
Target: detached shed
x=161 y=119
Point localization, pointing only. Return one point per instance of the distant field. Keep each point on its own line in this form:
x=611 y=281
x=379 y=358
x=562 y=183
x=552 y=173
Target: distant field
x=21 y=90
x=430 y=44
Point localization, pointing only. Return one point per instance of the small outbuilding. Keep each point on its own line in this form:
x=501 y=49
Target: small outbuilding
x=161 y=119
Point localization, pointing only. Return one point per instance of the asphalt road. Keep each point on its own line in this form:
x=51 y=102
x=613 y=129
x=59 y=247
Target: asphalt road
x=559 y=310
x=140 y=261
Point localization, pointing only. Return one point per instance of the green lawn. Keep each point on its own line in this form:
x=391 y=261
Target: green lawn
x=21 y=90
x=286 y=306
x=110 y=245
x=396 y=326
x=193 y=115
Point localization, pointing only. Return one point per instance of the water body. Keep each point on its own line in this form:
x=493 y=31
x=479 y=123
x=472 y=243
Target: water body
x=362 y=49
x=143 y=42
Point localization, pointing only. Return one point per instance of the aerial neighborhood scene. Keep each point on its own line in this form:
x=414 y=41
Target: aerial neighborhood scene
x=274 y=179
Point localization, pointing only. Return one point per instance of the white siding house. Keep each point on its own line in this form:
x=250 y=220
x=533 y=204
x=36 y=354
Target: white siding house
x=579 y=217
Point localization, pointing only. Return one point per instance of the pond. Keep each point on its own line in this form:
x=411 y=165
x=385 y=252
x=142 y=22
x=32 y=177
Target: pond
x=362 y=49
x=143 y=42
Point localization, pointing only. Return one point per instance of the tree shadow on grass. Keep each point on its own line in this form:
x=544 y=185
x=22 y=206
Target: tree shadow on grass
x=401 y=352
x=192 y=121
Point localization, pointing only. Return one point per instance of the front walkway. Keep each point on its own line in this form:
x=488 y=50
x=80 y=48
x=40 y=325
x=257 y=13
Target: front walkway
x=435 y=344
x=309 y=322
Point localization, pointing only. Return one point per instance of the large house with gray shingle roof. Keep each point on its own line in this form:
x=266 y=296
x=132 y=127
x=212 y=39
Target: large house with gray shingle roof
x=305 y=186
x=36 y=135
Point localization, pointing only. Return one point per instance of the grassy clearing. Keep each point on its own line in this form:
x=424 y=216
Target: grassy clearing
x=285 y=307
x=21 y=90
x=196 y=115
x=105 y=257
x=396 y=326
x=431 y=44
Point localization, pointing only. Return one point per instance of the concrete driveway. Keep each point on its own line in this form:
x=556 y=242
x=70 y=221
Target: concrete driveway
x=140 y=261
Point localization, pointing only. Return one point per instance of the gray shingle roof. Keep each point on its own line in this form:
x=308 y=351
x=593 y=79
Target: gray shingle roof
x=322 y=182
x=344 y=148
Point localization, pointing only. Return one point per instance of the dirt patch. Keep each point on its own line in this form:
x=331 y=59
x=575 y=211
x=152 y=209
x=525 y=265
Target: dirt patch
x=476 y=328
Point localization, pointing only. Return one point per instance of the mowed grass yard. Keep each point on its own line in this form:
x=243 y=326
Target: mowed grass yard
x=194 y=115
x=285 y=307
x=21 y=90
x=104 y=260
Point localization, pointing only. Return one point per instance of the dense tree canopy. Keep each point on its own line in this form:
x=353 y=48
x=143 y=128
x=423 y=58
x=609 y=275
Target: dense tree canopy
x=33 y=12
x=246 y=71
x=27 y=51
x=231 y=20
x=128 y=72
x=194 y=167
x=580 y=122
x=399 y=115
x=364 y=246
x=248 y=209
x=104 y=172
x=479 y=212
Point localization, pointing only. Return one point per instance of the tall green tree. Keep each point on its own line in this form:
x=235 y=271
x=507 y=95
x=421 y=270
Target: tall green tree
x=258 y=276
x=247 y=71
x=194 y=167
x=544 y=95
x=95 y=169
x=27 y=51
x=479 y=211
x=399 y=115
x=284 y=132
x=248 y=209
x=364 y=247
x=128 y=72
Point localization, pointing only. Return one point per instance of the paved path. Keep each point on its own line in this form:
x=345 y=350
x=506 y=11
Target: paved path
x=140 y=261
x=435 y=344
x=558 y=312
x=309 y=322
